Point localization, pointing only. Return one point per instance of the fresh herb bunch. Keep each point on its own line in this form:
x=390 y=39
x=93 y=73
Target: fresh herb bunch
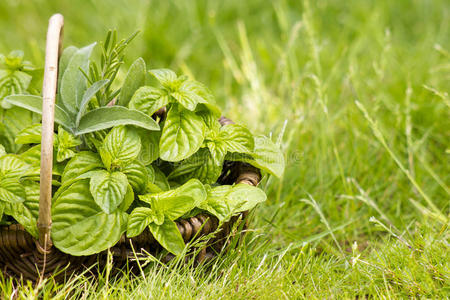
x=117 y=170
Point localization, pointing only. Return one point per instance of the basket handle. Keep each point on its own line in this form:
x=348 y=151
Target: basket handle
x=52 y=50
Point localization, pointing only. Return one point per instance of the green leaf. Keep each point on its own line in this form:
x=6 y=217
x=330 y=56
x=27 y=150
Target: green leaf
x=11 y=190
x=2 y=150
x=108 y=189
x=137 y=175
x=182 y=135
x=201 y=165
x=64 y=142
x=80 y=226
x=165 y=76
x=135 y=79
x=30 y=135
x=14 y=120
x=160 y=182
x=175 y=203
x=121 y=146
x=187 y=94
x=34 y=104
x=266 y=156
x=225 y=201
x=218 y=150
x=12 y=166
x=90 y=92
x=128 y=199
x=148 y=99
x=168 y=236
x=73 y=82
x=64 y=61
x=81 y=163
x=237 y=138
x=139 y=218
x=107 y=117
x=26 y=213
x=150 y=145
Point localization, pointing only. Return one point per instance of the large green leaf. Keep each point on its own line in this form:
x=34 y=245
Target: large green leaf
x=182 y=136
x=266 y=156
x=168 y=236
x=139 y=218
x=201 y=165
x=150 y=145
x=135 y=79
x=107 y=117
x=149 y=99
x=187 y=94
x=73 y=82
x=121 y=146
x=166 y=77
x=108 y=189
x=175 y=203
x=237 y=138
x=64 y=61
x=81 y=163
x=13 y=121
x=137 y=175
x=11 y=190
x=34 y=104
x=12 y=166
x=26 y=213
x=225 y=201
x=90 y=92
x=30 y=135
x=80 y=226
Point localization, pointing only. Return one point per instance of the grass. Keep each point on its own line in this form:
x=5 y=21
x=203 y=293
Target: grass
x=360 y=91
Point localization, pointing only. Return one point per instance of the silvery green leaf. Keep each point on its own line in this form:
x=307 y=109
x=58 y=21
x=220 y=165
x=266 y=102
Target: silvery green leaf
x=225 y=201
x=137 y=175
x=34 y=104
x=201 y=165
x=138 y=220
x=107 y=117
x=121 y=146
x=64 y=61
x=30 y=135
x=108 y=189
x=73 y=82
x=80 y=226
x=81 y=163
x=149 y=99
x=135 y=78
x=266 y=156
x=182 y=135
x=168 y=236
x=87 y=96
x=175 y=203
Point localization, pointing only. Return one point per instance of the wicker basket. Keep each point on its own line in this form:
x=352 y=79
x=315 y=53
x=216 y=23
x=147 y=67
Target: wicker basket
x=22 y=256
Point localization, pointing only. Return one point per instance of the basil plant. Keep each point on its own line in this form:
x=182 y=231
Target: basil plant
x=118 y=167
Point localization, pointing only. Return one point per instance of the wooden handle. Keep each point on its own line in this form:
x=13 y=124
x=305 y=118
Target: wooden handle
x=52 y=50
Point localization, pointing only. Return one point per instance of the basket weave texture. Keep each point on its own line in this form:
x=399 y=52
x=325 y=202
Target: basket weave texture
x=23 y=256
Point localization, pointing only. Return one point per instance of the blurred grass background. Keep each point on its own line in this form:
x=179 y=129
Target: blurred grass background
x=361 y=88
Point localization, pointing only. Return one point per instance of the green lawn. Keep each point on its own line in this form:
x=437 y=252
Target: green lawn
x=357 y=94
